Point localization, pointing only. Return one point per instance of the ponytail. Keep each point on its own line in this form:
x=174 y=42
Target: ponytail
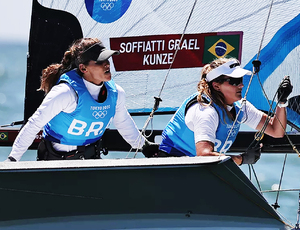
x=49 y=77
x=51 y=74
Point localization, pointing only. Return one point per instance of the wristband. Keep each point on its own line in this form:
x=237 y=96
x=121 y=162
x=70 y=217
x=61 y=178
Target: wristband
x=283 y=105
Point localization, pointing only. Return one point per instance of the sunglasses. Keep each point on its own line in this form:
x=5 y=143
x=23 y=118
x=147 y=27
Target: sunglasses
x=233 y=81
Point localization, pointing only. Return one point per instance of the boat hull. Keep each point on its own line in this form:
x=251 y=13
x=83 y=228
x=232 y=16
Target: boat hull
x=131 y=194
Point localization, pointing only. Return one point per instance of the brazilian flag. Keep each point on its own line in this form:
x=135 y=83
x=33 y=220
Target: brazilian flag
x=3 y=136
x=221 y=46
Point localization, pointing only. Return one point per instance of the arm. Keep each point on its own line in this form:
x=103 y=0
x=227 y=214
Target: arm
x=125 y=124
x=60 y=98
x=205 y=148
x=274 y=128
x=277 y=125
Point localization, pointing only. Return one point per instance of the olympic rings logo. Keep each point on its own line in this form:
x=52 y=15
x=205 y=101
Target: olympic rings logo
x=107 y=6
x=99 y=114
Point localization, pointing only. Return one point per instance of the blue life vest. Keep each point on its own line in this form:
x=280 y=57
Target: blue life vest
x=179 y=140
x=87 y=123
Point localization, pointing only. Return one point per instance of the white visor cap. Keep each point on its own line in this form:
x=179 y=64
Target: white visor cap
x=106 y=54
x=230 y=69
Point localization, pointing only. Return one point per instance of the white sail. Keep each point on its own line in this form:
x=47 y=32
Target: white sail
x=131 y=20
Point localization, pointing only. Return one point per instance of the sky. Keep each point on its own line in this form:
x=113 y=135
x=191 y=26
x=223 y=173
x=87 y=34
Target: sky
x=15 y=18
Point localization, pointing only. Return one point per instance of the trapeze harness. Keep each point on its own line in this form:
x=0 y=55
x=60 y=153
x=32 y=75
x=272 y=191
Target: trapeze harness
x=83 y=127
x=179 y=140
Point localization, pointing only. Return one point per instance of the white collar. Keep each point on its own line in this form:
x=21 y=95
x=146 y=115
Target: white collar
x=93 y=89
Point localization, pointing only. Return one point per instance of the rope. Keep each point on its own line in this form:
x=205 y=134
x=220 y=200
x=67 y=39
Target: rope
x=158 y=99
x=275 y=205
x=281 y=190
x=258 y=184
x=269 y=116
x=298 y=214
x=176 y=51
x=263 y=35
x=255 y=68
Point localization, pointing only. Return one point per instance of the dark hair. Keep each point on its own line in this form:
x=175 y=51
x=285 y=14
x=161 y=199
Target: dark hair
x=51 y=74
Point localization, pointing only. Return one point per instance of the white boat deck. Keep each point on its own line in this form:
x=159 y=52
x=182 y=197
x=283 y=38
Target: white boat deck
x=111 y=163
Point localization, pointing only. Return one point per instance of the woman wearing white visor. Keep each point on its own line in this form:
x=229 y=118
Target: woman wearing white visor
x=201 y=125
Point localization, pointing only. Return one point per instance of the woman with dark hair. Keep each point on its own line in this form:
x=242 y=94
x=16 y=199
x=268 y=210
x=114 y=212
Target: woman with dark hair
x=81 y=101
x=207 y=122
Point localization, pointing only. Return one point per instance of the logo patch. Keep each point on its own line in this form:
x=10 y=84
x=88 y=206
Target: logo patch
x=222 y=45
x=99 y=114
x=3 y=136
x=107 y=11
x=221 y=48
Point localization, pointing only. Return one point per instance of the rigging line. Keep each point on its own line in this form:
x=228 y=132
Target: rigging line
x=139 y=141
x=259 y=50
x=275 y=205
x=250 y=175
x=258 y=184
x=229 y=133
x=271 y=109
x=176 y=51
x=158 y=99
x=282 y=190
x=251 y=14
x=298 y=214
x=263 y=35
x=261 y=132
x=235 y=120
x=239 y=190
x=259 y=135
x=248 y=87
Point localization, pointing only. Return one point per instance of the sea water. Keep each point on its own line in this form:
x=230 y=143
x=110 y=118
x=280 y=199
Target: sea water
x=268 y=169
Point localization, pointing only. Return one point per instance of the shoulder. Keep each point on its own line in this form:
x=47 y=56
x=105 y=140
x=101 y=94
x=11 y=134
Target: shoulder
x=198 y=113
x=60 y=98
x=62 y=88
x=252 y=115
x=247 y=106
x=119 y=88
x=62 y=91
x=203 y=121
x=202 y=110
x=121 y=99
x=121 y=91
